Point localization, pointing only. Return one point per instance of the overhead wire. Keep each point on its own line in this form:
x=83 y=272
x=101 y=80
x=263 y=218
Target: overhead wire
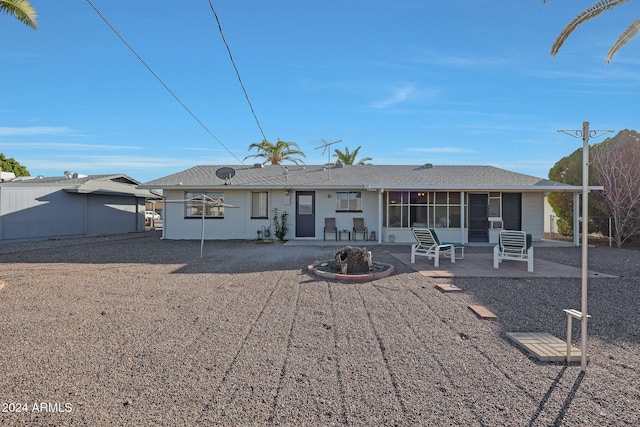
x=162 y=82
x=246 y=95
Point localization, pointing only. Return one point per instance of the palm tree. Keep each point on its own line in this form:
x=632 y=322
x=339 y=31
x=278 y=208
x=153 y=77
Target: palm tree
x=278 y=152
x=21 y=10
x=597 y=9
x=348 y=158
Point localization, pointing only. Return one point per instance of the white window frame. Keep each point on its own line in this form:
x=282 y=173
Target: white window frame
x=261 y=211
x=353 y=201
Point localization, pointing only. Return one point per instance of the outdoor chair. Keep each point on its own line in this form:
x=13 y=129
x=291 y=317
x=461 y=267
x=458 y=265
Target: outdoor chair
x=427 y=245
x=456 y=246
x=330 y=227
x=358 y=227
x=514 y=246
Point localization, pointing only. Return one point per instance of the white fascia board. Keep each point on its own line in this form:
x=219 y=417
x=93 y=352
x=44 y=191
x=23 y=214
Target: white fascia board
x=528 y=188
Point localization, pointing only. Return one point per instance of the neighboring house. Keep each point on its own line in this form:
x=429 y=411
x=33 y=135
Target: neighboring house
x=6 y=176
x=464 y=203
x=71 y=205
x=550 y=219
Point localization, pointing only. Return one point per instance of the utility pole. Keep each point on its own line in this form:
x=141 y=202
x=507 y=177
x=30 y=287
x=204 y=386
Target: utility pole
x=585 y=134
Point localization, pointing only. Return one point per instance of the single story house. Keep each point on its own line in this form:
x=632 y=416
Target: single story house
x=33 y=208
x=464 y=203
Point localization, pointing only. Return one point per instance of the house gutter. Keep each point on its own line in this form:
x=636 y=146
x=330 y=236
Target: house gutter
x=466 y=188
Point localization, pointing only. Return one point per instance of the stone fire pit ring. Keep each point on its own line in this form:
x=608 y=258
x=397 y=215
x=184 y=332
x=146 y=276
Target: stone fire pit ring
x=353 y=278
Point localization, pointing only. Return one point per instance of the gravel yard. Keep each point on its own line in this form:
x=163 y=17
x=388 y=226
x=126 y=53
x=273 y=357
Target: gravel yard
x=131 y=330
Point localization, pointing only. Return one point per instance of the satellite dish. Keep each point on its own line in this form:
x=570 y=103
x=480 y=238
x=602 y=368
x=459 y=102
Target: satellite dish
x=226 y=174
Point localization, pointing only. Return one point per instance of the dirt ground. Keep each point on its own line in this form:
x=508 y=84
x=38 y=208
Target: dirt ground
x=135 y=331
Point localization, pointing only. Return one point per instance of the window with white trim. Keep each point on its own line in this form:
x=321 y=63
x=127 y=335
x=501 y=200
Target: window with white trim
x=259 y=204
x=349 y=201
x=495 y=208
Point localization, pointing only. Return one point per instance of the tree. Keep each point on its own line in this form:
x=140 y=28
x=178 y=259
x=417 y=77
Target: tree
x=11 y=165
x=593 y=11
x=21 y=10
x=569 y=171
x=278 y=152
x=348 y=158
x=616 y=163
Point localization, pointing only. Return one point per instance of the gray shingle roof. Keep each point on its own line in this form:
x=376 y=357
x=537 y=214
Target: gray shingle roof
x=359 y=176
x=118 y=184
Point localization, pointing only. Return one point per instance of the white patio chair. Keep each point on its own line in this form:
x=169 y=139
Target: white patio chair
x=513 y=246
x=428 y=245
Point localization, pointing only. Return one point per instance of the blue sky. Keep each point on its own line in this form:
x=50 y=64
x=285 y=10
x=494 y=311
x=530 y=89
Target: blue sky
x=412 y=82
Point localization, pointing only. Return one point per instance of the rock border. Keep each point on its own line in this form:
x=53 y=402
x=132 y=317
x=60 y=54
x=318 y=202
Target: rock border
x=353 y=278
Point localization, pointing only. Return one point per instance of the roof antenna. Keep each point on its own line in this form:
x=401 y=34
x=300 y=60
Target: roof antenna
x=325 y=148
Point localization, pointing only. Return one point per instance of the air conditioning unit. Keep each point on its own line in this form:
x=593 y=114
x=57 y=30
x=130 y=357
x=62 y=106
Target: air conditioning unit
x=495 y=222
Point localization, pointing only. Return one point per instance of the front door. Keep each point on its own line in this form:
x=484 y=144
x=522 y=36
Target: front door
x=478 y=218
x=512 y=211
x=305 y=214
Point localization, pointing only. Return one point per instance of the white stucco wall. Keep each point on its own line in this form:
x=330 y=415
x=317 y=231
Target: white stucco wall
x=326 y=208
x=533 y=214
x=238 y=224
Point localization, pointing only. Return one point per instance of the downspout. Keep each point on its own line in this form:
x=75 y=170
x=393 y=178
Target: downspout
x=576 y=219
x=380 y=193
x=84 y=214
x=462 y=217
x=164 y=220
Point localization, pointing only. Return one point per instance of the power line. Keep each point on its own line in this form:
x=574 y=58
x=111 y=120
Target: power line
x=224 y=40
x=161 y=82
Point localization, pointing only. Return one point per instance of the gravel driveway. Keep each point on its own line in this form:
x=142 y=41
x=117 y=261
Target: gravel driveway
x=131 y=330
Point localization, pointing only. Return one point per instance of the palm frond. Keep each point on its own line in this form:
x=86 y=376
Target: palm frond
x=624 y=38
x=590 y=13
x=22 y=10
x=276 y=153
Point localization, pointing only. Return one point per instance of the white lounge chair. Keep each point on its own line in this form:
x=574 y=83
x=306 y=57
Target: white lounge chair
x=429 y=246
x=514 y=246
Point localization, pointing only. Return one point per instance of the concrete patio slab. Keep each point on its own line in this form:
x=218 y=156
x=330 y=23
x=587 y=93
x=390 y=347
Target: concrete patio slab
x=481 y=265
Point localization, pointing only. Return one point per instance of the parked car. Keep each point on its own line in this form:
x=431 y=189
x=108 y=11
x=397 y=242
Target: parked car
x=151 y=215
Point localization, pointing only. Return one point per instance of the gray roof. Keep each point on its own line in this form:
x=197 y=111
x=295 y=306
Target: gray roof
x=366 y=177
x=117 y=184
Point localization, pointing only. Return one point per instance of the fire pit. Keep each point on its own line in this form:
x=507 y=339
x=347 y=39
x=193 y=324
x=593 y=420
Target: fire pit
x=352 y=264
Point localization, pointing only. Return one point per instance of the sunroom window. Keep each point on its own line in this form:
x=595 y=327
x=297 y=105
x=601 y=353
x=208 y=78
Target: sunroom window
x=437 y=209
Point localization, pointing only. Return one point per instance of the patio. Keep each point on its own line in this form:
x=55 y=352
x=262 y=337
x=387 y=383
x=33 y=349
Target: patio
x=480 y=264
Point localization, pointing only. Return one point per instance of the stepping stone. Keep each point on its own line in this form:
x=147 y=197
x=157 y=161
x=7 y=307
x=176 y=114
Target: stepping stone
x=482 y=312
x=445 y=287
